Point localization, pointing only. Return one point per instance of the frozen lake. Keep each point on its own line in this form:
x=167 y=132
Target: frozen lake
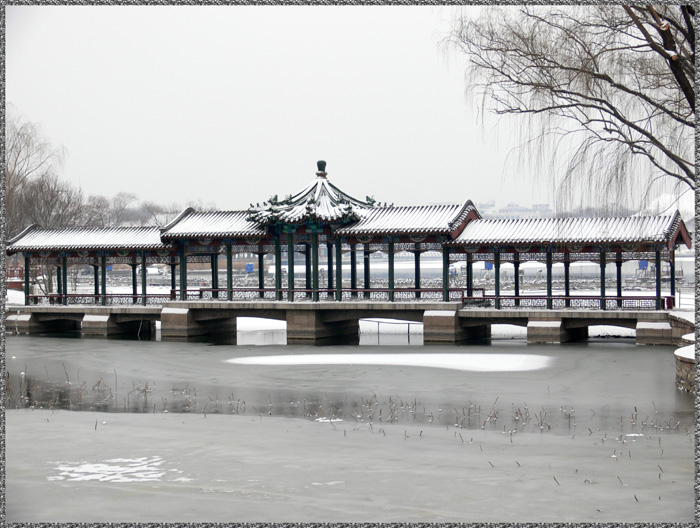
x=497 y=431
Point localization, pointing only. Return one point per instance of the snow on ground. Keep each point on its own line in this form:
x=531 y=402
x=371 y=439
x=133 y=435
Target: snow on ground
x=470 y=362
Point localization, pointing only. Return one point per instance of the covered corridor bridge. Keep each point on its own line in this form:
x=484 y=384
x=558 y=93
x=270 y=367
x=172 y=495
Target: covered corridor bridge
x=323 y=215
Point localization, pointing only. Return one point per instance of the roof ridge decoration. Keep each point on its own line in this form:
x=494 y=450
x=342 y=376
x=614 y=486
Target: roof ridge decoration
x=177 y=219
x=24 y=232
x=319 y=201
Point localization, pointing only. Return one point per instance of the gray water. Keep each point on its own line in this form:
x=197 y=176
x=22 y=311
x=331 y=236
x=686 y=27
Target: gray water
x=593 y=401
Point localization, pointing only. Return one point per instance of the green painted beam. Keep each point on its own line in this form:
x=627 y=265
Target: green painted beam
x=183 y=273
x=497 y=274
x=549 y=279
x=391 y=270
x=290 y=266
x=445 y=274
x=338 y=270
x=27 y=264
x=314 y=265
x=103 y=282
x=278 y=268
x=603 y=262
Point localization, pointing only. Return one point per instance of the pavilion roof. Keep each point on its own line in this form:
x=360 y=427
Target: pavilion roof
x=319 y=201
x=35 y=238
x=212 y=224
x=411 y=220
x=632 y=229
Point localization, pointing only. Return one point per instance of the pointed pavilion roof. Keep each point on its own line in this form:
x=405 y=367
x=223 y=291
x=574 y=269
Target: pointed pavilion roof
x=319 y=201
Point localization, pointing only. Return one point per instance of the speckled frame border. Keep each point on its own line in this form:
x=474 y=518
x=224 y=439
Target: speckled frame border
x=3 y=286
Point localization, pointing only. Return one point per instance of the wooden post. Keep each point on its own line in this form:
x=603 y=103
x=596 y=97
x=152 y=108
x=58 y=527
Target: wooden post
x=417 y=268
x=103 y=282
x=497 y=275
x=214 y=275
x=658 y=279
x=290 y=266
x=470 y=275
x=567 y=279
x=134 y=289
x=261 y=274
x=445 y=274
x=602 y=279
x=516 y=276
x=329 y=251
x=618 y=266
x=27 y=291
x=278 y=268
x=549 y=279
x=144 y=273
x=183 y=273
x=365 y=258
x=314 y=265
x=353 y=270
x=64 y=260
x=391 y=270
x=338 y=269
x=229 y=271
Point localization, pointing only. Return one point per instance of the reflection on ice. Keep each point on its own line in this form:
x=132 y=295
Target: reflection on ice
x=472 y=362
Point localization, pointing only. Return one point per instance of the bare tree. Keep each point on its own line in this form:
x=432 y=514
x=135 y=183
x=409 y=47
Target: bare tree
x=29 y=155
x=607 y=90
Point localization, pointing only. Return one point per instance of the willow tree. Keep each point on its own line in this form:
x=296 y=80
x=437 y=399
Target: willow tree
x=607 y=91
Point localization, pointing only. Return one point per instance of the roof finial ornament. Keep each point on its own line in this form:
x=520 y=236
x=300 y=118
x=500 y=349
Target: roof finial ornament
x=321 y=169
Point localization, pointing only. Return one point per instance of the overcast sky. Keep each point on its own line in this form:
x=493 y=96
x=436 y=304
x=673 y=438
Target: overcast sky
x=233 y=104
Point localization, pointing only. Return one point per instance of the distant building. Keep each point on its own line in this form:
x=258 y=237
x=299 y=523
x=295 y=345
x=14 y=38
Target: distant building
x=513 y=210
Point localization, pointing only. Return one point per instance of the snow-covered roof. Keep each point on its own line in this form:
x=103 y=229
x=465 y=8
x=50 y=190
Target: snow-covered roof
x=35 y=238
x=414 y=219
x=319 y=201
x=632 y=229
x=212 y=224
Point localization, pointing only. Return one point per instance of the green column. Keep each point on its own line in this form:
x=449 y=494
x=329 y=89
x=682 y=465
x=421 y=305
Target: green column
x=134 y=281
x=103 y=282
x=417 y=268
x=618 y=266
x=549 y=279
x=516 y=276
x=602 y=279
x=290 y=266
x=59 y=280
x=365 y=262
x=27 y=292
x=215 y=275
x=96 y=271
x=261 y=274
x=329 y=250
x=183 y=273
x=65 y=280
x=445 y=273
x=658 y=279
x=497 y=274
x=144 y=273
x=173 y=281
x=314 y=265
x=567 y=280
x=391 y=270
x=307 y=271
x=672 y=263
x=338 y=270
x=229 y=271
x=470 y=275
x=353 y=269
x=278 y=268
